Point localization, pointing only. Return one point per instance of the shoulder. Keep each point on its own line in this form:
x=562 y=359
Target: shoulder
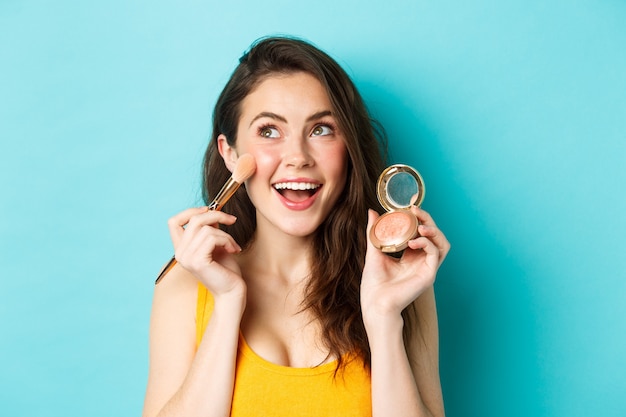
x=172 y=320
x=177 y=287
x=172 y=335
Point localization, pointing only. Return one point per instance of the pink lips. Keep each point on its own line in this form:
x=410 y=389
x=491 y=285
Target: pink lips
x=298 y=205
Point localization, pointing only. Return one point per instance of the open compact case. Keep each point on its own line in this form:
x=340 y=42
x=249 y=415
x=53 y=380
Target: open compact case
x=399 y=187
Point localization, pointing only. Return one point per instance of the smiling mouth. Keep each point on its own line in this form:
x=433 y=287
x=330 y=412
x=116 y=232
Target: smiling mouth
x=297 y=191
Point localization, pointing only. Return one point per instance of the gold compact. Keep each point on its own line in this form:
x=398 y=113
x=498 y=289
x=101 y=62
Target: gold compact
x=399 y=187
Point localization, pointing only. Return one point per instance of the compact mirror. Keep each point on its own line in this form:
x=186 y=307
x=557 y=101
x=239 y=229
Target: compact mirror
x=399 y=187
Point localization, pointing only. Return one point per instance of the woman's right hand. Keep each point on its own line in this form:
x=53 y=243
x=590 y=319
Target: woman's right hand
x=207 y=251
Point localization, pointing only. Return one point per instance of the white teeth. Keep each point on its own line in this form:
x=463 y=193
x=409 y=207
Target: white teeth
x=295 y=186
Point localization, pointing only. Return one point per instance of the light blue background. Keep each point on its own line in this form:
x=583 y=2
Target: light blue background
x=514 y=111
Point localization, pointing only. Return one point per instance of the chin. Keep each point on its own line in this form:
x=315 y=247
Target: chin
x=298 y=229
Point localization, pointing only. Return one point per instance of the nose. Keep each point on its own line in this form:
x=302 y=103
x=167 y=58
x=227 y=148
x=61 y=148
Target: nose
x=297 y=154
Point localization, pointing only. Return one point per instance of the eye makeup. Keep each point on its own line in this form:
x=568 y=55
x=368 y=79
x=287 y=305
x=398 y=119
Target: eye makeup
x=399 y=187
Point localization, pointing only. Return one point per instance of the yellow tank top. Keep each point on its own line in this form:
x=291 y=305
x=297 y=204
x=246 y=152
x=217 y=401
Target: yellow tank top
x=263 y=388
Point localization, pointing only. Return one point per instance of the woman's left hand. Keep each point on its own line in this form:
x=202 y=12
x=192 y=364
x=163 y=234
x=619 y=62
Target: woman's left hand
x=389 y=285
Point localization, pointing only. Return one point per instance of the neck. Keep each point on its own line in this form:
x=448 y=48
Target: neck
x=286 y=258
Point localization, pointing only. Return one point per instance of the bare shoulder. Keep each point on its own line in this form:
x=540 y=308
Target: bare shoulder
x=176 y=286
x=172 y=336
x=173 y=308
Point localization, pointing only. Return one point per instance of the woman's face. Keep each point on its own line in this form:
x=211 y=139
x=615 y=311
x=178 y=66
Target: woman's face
x=288 y=125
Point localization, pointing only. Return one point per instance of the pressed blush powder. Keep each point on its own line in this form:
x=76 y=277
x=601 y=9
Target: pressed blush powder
x=393 y=227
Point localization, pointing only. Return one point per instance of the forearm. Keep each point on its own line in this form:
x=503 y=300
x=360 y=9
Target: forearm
x=394 y=389
x=208 y=388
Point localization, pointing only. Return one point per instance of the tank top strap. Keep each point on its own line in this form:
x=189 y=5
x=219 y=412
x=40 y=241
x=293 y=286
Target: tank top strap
x=204 y=309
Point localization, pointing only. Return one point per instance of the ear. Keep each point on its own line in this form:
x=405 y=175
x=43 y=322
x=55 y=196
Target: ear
x=229 y=153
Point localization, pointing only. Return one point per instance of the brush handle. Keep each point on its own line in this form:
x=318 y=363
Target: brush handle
x=224 y=195
x=165 y=270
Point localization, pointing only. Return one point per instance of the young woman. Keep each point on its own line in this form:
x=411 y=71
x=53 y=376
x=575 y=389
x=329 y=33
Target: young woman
x=283 y=307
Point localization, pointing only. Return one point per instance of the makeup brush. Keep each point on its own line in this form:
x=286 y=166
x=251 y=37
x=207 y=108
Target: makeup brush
x=245 y=167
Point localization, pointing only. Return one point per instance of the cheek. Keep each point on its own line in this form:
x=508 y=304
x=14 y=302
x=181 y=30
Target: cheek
x=264 y=157
x=265 y=167
x=265 y=163
x=337 y=160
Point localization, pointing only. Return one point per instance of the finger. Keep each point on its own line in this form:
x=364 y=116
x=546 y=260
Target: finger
x=205 y=245
x=209 y=250
x=437 y=237
x=423 y=216
x=430 y=249
x=177 y=222
x=429 y=229
x=210 y=218
x=201 y=227
x=208 y=238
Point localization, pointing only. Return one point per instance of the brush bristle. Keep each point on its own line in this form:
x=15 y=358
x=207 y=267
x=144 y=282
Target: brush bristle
x=246 y=165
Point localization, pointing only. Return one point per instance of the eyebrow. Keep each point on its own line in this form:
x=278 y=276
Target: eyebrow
x=278 y=117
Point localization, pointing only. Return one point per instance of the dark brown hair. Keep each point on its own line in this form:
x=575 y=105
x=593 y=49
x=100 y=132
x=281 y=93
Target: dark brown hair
x=333 y=291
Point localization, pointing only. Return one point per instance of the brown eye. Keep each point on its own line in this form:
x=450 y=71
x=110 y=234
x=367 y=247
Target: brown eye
x=321 y=130
x=268 y=132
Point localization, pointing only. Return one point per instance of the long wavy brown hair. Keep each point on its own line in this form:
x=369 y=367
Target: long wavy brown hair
x=333 y=290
